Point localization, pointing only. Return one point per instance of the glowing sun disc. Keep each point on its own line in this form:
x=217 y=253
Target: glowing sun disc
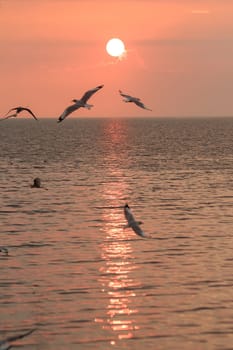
x=115 y=47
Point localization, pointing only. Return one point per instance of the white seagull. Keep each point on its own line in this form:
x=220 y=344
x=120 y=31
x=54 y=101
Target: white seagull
x=135 y=225
x=79 y=103
x=17 y=111
x=5 y=344
x=137 y=101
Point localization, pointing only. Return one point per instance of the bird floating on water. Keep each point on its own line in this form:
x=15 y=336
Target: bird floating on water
x=79 y=103
x=37 y=183
x=136 y=100
x=6 y=344
x=17 y=111
x=135 y=225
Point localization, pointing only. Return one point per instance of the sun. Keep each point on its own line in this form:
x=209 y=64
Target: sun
x=115 y=47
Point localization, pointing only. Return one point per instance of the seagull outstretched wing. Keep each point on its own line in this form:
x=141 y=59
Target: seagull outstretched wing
x=68 y=111
x=29 y=111
x=89 y=93
x=140 y=104
x=10 y=110
x=129 y=97
x=9 y=116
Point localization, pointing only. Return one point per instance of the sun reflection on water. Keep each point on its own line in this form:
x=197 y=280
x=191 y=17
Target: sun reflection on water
x=117 y=283
x=117 y=278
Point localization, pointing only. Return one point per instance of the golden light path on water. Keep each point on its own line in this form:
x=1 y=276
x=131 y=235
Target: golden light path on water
x=117 y=279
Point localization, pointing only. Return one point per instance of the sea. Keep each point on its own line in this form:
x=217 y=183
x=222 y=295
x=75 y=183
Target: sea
x=82 y=280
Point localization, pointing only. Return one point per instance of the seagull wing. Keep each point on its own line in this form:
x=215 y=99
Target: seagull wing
x=12 y=109
x=29 y=111
x=137 y=229
x=129 y=97
x=6 y=343
x=140 y=104
x=124 y=95
x=89 y=93
x=9 y=116
x=68 y=111
x=135 y=99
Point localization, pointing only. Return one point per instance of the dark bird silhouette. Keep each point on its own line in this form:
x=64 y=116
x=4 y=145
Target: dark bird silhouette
x=79 y=103
x=137 y=101
x=17 y=111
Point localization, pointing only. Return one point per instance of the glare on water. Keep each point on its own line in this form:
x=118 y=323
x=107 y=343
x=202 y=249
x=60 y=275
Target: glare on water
x=116 y=278
x=76 y=274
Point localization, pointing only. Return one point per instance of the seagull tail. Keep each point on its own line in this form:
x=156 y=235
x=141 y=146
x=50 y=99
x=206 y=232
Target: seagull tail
x=88 y=106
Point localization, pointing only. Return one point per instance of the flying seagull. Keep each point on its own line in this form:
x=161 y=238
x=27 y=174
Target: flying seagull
x=135 y=225
x=137 y=101
x=5 y=344
x=79 y=103
x=17 y=111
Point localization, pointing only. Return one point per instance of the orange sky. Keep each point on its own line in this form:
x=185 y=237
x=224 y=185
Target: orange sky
x=179 y=56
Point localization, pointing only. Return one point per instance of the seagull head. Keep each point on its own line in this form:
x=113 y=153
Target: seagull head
x=75 y=100
x=140 y=222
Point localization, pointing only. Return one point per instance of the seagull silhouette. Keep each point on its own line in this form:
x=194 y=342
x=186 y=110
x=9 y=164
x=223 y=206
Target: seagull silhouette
x=17 y=111
x=137 y=101
x=79 y=103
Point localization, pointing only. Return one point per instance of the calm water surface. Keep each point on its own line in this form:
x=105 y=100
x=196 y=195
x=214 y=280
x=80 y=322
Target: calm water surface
x=82 y=280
